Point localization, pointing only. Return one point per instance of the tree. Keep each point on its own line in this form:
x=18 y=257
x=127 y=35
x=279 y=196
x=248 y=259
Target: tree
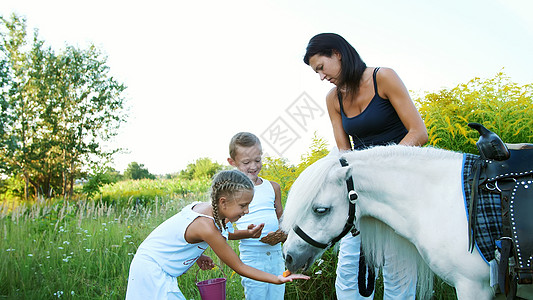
x=282 y=172
x=4 y=116
x=137 y=171
x=60 y=107
x=201 y=168
x=100 y=176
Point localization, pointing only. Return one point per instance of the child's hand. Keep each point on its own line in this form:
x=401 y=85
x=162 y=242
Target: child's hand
x=205 y=262
x=272 y=238
x=255 y=230
x=291 y=277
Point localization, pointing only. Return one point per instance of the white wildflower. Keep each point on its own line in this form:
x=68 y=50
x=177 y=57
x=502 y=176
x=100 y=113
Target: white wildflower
x=320 y=261
x=58 y=294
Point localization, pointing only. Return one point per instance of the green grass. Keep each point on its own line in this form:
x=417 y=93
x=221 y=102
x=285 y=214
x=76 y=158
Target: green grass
x=74 y=249
x=134 y=192
x=83 y=250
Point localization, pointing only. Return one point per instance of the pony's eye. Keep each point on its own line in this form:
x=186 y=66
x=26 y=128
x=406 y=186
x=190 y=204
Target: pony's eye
x=321 y=210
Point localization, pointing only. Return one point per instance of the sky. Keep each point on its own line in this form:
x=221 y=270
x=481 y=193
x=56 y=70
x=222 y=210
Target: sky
x=200 y=71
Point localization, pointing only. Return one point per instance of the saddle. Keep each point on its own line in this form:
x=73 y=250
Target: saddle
x=508 y=171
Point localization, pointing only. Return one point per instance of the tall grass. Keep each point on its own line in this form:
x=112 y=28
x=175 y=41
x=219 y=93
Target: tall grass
x=83 y=249
x=142 y=192
x=76 y=250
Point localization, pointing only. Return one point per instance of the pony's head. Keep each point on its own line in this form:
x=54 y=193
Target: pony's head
x=318 y=204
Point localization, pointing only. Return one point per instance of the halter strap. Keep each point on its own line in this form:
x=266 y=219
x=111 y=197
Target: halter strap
x=352 y=195
x=309 y=239
x=348 y=226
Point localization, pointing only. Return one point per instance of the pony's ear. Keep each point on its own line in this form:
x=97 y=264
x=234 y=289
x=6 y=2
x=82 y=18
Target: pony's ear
x=343 y=173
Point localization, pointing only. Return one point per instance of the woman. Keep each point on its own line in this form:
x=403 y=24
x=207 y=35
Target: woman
x=372 y=107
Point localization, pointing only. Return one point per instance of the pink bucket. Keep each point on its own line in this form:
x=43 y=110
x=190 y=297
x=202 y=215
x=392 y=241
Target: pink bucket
x=212 y=289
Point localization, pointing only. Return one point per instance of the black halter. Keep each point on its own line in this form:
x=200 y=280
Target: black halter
x=352 y=196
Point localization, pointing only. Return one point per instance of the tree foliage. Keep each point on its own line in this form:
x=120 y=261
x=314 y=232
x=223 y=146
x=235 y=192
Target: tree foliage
x=498 y=103
x=137 y=171
x=201 y=168
x=281 y=171
x=58 y=108
x=98 y=177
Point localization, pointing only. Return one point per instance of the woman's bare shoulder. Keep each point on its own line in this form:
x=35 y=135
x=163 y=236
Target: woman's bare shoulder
x=387 y=74
x=332 y=97
x=332 y=93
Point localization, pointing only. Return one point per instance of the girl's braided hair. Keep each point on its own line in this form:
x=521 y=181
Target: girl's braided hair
x=225 y=184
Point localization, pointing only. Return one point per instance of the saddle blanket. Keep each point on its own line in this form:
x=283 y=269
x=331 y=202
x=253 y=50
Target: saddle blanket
x=488 y=212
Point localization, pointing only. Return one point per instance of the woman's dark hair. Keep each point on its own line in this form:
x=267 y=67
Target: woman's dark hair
x=352 y=66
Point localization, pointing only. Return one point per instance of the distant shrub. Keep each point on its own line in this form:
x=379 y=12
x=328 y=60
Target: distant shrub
x=201 y=168
x=137 y=171
x=282 y=172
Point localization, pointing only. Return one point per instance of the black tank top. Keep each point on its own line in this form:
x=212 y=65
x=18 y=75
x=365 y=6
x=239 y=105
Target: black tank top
x=378 y=124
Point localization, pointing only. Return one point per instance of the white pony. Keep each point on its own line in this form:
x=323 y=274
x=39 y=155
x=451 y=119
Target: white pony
x=410 y=199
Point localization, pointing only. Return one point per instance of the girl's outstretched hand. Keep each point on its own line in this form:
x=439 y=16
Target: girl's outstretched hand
x=254 y=231
x=291 y=277
x=205 y=262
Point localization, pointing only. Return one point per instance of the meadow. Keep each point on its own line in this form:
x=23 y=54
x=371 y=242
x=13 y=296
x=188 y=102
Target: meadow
x=83 y=249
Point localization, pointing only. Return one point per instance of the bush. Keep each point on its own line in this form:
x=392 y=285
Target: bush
x=201 y=168
x=281 y=171
x=99 y=178
x=137 y=171
x=499 y=104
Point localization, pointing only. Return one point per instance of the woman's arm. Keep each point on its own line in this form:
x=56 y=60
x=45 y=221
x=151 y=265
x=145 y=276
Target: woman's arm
x=391 y=87
x=334 y=111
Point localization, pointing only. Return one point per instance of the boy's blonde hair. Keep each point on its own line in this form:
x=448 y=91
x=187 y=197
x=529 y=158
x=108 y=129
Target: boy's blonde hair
x=226 y=184
x=242 y=139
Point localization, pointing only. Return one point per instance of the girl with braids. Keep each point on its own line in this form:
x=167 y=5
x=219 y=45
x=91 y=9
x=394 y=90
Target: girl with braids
x=175 y=245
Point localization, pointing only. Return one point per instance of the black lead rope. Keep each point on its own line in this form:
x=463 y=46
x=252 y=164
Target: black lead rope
x=365 y=283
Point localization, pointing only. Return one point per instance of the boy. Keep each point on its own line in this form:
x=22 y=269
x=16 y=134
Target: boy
x=265 y=253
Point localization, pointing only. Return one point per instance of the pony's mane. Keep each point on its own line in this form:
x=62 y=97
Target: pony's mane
x=306 y=187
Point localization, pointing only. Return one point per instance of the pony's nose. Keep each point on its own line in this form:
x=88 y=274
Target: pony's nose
x=288 y=259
